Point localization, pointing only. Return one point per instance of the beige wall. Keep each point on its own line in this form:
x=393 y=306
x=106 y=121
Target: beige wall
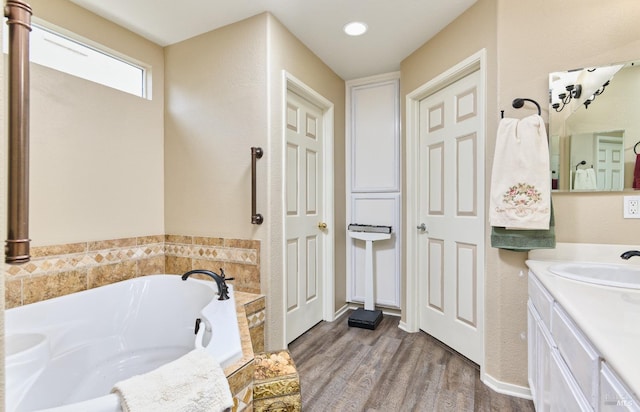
x=524 y=42
x=96 y=153
x=216 y=96
x=224 y=94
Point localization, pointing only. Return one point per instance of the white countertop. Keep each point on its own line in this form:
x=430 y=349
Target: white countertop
x=609 y=316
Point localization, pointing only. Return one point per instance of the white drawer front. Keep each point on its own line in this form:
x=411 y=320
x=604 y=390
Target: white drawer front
x=614 y=395
x=580 y=356
x=541 y=299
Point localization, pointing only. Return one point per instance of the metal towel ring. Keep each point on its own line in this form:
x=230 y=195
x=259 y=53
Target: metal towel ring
x=635 y=148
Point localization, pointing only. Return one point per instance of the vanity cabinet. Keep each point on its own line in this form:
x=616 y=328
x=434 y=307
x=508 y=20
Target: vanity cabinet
x=566 y=372
x=614 y=393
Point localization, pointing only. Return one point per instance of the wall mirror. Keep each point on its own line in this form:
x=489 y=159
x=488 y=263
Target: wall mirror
x=594 y=125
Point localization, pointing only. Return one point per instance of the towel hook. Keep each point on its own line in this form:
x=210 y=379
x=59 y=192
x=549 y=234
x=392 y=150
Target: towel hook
x=635 y=148
x=581 y=163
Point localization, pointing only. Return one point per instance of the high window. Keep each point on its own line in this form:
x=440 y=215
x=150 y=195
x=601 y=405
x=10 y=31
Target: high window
x=53 y=49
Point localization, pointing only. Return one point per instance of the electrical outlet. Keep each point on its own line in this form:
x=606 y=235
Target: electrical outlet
x=632 y=207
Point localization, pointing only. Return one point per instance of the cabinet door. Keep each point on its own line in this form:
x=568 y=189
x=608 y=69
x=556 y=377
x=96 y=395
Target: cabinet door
x=614 y=395
x=566 y=395
x=539 y=351
x=532 y=349
x=545 y=347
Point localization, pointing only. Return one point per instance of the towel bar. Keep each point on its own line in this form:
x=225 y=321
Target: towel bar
x=519 y=102
x=256 y=153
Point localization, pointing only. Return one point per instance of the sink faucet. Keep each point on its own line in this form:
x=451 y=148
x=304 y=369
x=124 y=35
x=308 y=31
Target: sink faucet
x=223 y=289
x=630 y=253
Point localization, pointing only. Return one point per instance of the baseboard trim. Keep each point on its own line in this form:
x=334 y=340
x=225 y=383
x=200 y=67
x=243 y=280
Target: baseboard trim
x=341 y=312
x=405 y=327
x=505 y=388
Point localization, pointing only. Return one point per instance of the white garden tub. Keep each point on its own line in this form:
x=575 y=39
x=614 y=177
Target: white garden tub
x=67 y=353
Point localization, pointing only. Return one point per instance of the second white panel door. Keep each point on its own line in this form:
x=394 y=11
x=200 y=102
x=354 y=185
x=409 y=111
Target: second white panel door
x=304 y=225
x=451 y=206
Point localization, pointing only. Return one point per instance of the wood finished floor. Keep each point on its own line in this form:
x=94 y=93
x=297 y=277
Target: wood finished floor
x=352 y=369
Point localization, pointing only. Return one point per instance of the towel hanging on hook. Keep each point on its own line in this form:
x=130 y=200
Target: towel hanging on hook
x=519 y=102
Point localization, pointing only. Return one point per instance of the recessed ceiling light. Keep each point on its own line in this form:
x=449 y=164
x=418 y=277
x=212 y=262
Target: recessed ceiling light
x=355 y=28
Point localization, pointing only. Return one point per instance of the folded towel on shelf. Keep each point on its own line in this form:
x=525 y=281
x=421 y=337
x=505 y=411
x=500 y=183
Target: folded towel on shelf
x=525 y=240
x=584 y=179
x=521 y=176
x=192 y=383
x=636 y=173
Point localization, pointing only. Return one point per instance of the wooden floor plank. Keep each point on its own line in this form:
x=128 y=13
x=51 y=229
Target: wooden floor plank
x=364 y=380
x=343 y=368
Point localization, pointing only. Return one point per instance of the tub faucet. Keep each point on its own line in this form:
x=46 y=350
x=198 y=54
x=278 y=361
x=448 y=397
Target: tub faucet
x=630 y=253
x=223 y=289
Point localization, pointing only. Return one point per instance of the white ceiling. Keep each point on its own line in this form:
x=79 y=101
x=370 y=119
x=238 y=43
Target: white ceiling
x=396 y=27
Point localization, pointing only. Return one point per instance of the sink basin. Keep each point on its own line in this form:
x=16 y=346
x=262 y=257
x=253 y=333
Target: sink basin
x=599 y=273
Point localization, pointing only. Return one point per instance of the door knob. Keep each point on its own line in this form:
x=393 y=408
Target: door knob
x=322 y=225
x=422 y=227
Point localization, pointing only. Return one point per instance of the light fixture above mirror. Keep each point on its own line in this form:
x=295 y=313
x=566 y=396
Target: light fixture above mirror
x=580 y=86
x=573 y=91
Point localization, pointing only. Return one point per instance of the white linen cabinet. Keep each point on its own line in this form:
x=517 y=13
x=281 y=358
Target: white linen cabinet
x=373 y=183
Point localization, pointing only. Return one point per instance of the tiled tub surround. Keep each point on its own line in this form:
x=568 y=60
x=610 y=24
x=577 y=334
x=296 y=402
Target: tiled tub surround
x=239 y=258
x=241 y=374
x=62 y=269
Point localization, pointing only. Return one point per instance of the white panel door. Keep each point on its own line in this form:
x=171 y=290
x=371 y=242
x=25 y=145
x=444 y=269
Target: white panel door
x=304 y=214
x=610 y=163
x=451 y=206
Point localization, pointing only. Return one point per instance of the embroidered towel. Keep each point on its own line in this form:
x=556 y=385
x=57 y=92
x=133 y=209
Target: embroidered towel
x=192 y=383
x=521 y=180
x=636 y=173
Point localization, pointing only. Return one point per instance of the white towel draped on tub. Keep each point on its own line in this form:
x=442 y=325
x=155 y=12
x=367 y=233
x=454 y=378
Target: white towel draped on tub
x=521 y=180
x=192 y=383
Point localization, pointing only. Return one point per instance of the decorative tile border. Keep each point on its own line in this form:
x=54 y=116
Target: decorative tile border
x=76 y=261
x=256 y=319
x=239 y=259
x=62 y=269
x=225 y=254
